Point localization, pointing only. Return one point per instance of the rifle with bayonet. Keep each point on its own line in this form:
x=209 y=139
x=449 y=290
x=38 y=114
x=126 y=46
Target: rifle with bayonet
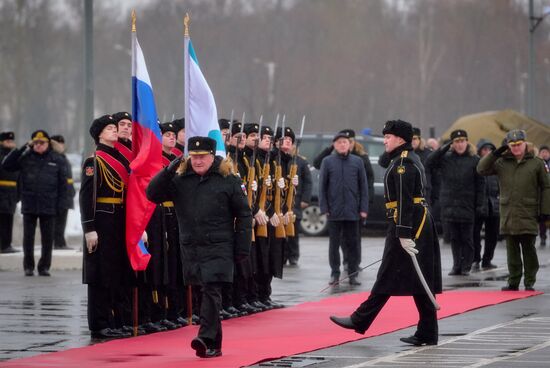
x=266 y=171
x=291 y=195
x=279 y=230
x=251 y=174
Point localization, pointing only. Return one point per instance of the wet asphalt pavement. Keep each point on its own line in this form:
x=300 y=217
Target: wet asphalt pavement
x=46 y=314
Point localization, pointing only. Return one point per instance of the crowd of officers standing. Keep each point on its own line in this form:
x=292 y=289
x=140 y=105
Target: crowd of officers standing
x=274 y=183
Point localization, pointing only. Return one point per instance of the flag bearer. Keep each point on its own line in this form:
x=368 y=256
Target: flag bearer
x=102 y=194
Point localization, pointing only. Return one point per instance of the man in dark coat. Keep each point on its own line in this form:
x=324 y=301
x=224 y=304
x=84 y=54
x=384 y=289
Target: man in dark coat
x=411 y=233
x=344 y=198
x=490 y=217
x=8 y=194
x=462 y=196
x=105 y=264
x=58 y=145
x=43 y=187
x=215 y=224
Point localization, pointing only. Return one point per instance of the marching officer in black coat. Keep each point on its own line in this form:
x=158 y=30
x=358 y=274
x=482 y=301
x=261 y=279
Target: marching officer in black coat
x=105 y=262
x=8 y=194
x=411 y=233
x=42 y=184
x=215 y=225
x=59 y=242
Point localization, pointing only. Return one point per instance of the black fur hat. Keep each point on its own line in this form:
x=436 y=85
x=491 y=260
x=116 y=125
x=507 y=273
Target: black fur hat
x=99 y=124
x=399 y=128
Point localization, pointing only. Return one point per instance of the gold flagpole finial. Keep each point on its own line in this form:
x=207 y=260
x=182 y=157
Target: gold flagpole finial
x=133 y=20
x=186 y=24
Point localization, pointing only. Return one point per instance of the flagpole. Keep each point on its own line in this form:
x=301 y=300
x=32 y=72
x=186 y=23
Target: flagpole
x=135 y=298
x=186 y=21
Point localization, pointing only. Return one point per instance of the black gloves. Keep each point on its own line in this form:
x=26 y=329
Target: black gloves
x=174 y=166
x=499 y=151
x=446 y=146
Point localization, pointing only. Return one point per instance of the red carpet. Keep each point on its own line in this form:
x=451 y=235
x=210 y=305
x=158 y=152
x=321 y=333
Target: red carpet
x=263 y=336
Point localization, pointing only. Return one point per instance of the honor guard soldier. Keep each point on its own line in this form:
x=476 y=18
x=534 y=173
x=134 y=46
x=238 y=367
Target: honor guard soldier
x=123 y=120
x=43 y=186
x=215 y=225
x=225 y=126
x=59 y=242
x=237 y=304
x=102 y=195
x=164 y=278
x=8 y=194
x=411 y=233
x=179 y=149
x=299 y=197
x=269 y=248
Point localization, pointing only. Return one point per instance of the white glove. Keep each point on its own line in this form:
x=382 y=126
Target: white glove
x=295 y=180
x=409 y=246
x=281 y=183
x=144 y=237
x=254 y=186
x=288 y=217
x=261 y=218
x=91 y=241
x=267 y=181
x=275 y=222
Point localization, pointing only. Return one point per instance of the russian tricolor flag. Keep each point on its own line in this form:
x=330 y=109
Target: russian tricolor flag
x=147 y=150
x=201 y=116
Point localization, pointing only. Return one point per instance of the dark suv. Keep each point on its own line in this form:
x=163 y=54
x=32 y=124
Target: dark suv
x=313 y=222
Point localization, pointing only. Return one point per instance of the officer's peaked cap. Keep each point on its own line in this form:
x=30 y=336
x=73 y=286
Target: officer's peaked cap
x=40 y=135
x=515 y=135
x=201 y=146
x=4 y=136
x=459 y=133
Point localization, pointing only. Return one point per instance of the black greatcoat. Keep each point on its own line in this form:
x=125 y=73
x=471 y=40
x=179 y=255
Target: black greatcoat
x=42 y=181
x=109 y=264
x=8 y=186
x=403 y=181
x=215 y=222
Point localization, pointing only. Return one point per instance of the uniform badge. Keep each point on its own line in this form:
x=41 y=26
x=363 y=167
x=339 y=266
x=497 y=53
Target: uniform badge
x=401 y=170
x=89 y=171
x=243 y=187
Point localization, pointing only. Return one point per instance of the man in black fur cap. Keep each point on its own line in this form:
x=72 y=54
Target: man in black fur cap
x=411 y=233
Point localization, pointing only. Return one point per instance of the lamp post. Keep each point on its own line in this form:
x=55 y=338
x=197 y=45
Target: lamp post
x=270 y=66
x=533 y=24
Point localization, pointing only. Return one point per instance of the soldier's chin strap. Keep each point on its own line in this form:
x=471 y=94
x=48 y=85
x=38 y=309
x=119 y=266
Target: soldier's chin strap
x=423 y=282
x=351 y=274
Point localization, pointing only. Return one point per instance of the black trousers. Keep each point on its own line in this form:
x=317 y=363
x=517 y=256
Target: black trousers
x=6 y=230
x=59 y=229
x=426 y=329
x=491 y=238
x=292 y=247
x=46 y=233
x=100 y=307
x=343 y=233
x=211 y=326
x=462 y=245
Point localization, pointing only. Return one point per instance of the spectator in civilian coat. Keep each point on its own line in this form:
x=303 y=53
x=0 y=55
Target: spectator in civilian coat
x=344 y=198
